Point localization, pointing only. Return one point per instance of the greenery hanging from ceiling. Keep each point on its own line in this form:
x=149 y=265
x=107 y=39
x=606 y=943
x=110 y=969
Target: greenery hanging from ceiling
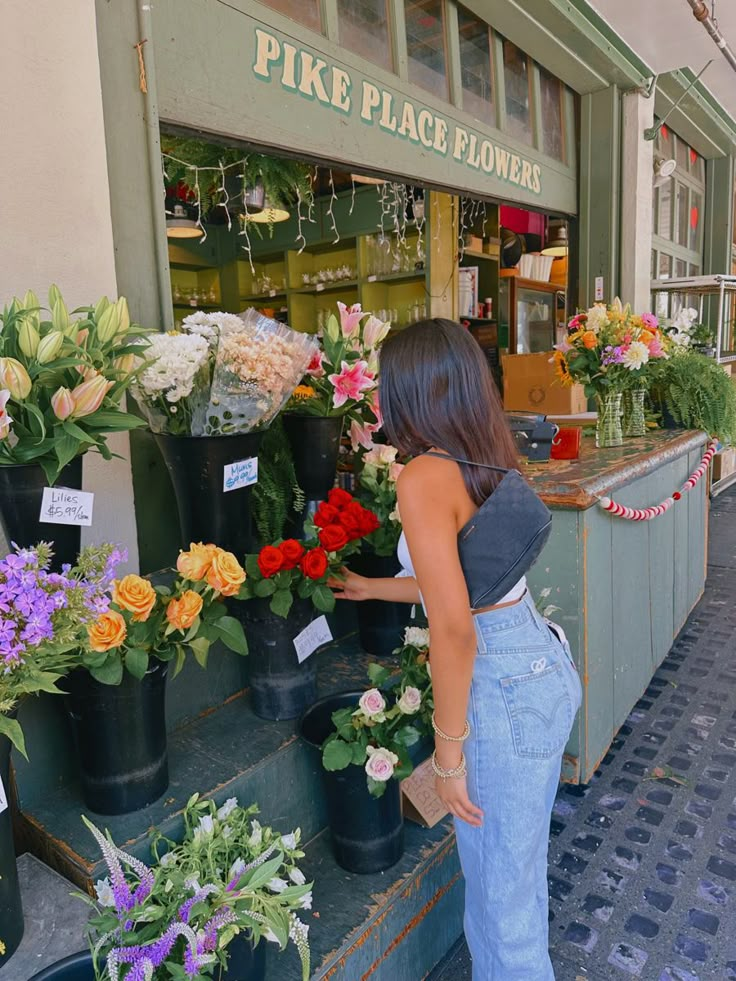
x=200 y=166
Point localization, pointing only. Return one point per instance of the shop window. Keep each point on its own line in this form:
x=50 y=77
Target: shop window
x=679 y=210
x=426 y=45
x=683 y=213
x=665 y=266
x=551 y=98
x=364 y=29
x=664 y=210
x=307 y=12
x=476 y=66
x=695 y=222
x=516 y=70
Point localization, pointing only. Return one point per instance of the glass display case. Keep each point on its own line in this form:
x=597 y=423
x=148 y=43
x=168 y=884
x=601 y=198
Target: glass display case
x=529 y=312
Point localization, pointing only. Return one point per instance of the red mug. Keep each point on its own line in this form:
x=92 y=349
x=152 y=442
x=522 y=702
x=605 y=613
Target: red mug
x=566 y=444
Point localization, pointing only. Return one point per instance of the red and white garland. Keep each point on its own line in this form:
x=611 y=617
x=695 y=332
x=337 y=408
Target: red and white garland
x=646 y=514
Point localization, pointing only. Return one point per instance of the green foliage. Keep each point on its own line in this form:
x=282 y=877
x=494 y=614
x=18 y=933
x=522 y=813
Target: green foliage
x=277 y=493
x=699 y=394
x=281 y=176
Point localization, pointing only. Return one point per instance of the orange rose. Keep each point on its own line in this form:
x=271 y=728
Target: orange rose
x=181 y=613
x=226 y=574
x=136 y=595
x=589 y=340
x=195 y=564
x=646 y=336
x=109 y=631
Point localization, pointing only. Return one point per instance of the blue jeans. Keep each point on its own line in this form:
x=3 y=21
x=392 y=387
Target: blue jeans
x=523 y=700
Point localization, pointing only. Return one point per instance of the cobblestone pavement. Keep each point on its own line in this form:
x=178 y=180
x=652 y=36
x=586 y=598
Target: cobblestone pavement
x=642 y=872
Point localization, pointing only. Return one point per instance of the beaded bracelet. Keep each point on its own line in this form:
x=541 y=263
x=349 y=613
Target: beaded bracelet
x=457 y=771
x=451 y=739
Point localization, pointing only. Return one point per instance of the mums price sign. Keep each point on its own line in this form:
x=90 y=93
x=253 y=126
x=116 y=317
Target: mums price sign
x=306 y=75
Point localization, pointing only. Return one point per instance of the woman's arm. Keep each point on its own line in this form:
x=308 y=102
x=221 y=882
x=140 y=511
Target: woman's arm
x=355 y=587
x=428 y=493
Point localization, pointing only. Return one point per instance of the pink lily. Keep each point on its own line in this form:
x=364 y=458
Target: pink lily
x=563 y=347
x=350 y=318
x=361 y=434
x=655 y=349
x=315 y=369
x=5 y=419
x=351 y=382
x=375 y=331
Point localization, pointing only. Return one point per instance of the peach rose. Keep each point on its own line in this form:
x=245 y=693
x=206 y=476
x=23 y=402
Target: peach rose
x=107 y=632
x=181 y=613
x=589 y=339
x=226 y=574
x=136 y=595
x=195 y=564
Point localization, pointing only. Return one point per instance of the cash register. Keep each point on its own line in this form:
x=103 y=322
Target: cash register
x=533 y=434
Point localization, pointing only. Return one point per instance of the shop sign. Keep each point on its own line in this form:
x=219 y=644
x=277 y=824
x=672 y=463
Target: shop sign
x=302 y=73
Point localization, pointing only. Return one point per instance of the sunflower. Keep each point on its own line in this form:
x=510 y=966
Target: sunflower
x=561 y=369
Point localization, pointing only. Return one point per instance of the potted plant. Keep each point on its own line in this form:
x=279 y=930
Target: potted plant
x=380 y=624
x=203 y=908
x=62 y=379
x=43 y=617
x=368 y=743
x=697 y=394
x=208 y=391
x=340 y=383
x=607 y=349
x=685 y=331
x=116 y=700
x=285 y=583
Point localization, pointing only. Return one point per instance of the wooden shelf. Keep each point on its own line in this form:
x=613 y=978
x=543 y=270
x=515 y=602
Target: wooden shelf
x=331 y=287
x=474 y=254
x=262 y=297
x=400 y=277
x=199 y=306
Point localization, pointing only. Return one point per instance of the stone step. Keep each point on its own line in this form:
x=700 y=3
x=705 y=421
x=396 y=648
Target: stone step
x=392 y=926
x=224 y=752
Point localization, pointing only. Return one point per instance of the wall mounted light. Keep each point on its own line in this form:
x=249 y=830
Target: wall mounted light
x=269 y=216
x=557 y=242
x=663 y=170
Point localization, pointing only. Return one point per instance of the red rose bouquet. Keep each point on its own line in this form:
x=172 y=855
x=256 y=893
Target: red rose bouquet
x=288 y=568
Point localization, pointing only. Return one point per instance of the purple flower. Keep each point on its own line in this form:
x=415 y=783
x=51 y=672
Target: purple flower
x=612 y=355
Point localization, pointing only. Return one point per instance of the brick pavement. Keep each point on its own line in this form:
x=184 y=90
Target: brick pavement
x=642 y=868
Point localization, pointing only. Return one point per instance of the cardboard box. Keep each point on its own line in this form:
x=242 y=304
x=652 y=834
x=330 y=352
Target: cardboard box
x=420 y=803
x=530 y=384
x=724 y=464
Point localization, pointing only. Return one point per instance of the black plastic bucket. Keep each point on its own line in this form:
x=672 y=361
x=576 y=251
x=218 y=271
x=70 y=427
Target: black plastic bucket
x=280 y=687
x=120 y=736
x=207 y=512
x=380 y=624
x=367 y=832
x=21 y=493
x=245 y=963
x=11 y=910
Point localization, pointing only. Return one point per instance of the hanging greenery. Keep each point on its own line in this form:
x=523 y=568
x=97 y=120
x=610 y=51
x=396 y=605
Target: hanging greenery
x=203 y=167
x=277 y=494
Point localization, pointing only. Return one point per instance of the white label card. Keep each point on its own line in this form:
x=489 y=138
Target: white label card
x=66 y=506
x=3 y=797
x=598 y=288
x=317 y=634
x=242 y=473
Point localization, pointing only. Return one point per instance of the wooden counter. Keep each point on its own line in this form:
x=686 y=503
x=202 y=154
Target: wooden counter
x=624 y=589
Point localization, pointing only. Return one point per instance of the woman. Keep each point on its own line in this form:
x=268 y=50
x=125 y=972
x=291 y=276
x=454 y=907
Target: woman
x=505 y=687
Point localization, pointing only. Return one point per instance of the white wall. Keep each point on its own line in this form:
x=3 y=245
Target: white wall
x=55 y=223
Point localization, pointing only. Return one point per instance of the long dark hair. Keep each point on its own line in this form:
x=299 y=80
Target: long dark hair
x=436 y=389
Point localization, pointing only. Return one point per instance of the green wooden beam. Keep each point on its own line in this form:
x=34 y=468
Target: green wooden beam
x=698 y=120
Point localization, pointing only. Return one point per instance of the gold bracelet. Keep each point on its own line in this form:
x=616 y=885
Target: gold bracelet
x=457 y=771
x=451 y=739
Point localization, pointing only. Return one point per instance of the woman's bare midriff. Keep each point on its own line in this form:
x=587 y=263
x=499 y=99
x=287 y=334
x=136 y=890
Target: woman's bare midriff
x=499 y=606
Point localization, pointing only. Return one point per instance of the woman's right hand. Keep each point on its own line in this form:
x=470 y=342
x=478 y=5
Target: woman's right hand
x=351 y=586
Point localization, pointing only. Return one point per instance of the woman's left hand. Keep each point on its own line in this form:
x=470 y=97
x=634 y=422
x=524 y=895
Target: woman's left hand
x=453 y=793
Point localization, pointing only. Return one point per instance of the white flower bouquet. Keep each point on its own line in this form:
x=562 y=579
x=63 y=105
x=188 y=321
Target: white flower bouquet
x=221 y=374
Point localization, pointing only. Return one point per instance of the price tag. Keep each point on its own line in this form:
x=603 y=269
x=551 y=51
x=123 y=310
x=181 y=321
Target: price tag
x=317 y=634
x=242 y=473
x=372 y=279
x=320 y=287
x=66 y=506
x=599 y=287
x=421 y=803
x=272 y=292
x=3 y=797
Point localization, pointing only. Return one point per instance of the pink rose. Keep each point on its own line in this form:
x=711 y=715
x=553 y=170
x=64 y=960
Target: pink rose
x=372 y=703
x=410 y=701
x=380 y=763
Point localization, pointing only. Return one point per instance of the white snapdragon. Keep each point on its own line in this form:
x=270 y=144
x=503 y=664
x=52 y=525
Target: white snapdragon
x=176 y=360
x=227 y=808
x=105 y=896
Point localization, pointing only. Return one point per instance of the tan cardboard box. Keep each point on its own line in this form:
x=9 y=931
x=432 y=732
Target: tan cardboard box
x=530 y=384
x=724 y=464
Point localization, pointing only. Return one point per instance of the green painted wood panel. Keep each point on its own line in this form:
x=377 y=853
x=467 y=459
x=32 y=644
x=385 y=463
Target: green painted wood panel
x=662 y=583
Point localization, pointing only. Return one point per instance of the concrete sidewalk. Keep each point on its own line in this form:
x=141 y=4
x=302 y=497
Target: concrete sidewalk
x=642 y=861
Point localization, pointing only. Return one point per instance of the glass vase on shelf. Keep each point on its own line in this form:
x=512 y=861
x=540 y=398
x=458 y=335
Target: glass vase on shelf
x=608 y=430
x=634 y=422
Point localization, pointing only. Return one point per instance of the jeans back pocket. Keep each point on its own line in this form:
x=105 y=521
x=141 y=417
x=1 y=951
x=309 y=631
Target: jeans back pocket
x=540 y=712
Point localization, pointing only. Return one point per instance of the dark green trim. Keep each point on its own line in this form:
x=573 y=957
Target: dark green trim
x=719 y=217
x=698 y=119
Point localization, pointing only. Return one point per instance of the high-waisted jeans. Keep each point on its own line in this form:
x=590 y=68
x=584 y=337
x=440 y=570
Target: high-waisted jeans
x=523 y=700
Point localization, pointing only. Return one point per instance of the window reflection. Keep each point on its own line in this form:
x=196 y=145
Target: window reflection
x=475 y=66
x=307 y=12
x=516 y=78
x=551 y=92
x=426 y=45
x=364 y=29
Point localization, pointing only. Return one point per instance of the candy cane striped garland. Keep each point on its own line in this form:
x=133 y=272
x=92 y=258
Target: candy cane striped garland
x=646 y=514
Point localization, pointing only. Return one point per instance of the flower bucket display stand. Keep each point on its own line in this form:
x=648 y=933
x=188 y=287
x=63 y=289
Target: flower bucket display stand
x=315 y=445
x=217 y=746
